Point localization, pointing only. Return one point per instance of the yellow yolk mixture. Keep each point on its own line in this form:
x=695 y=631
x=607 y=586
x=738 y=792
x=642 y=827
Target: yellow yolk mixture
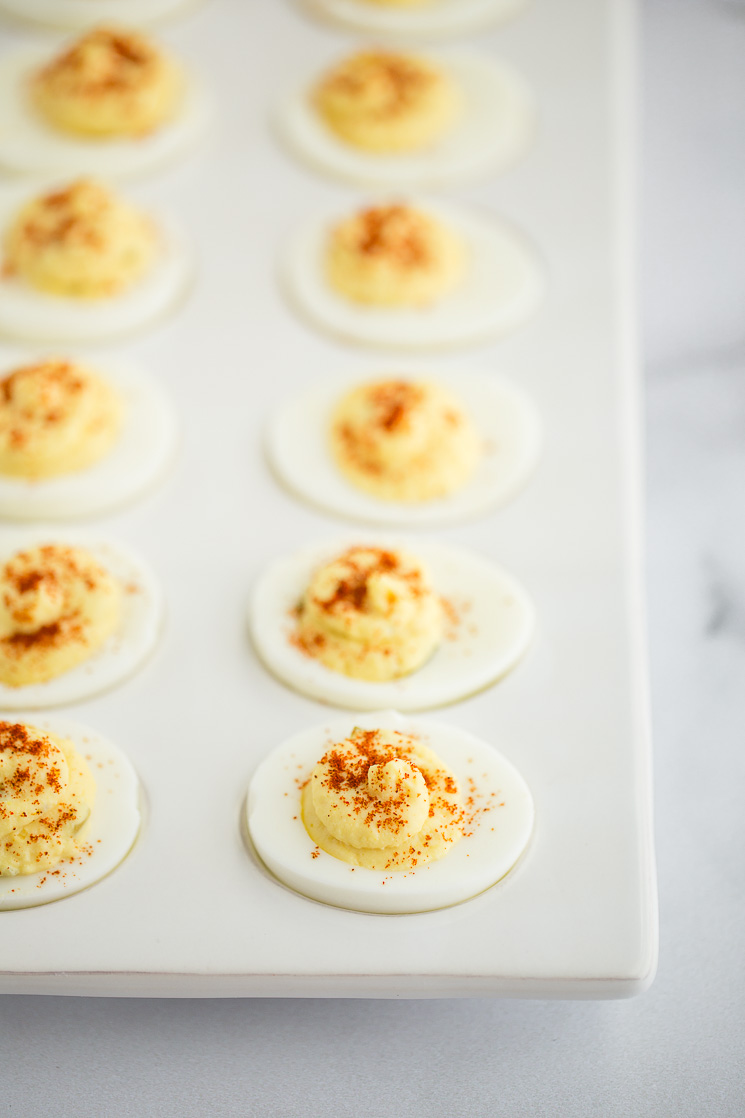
x=56 y=417
x=57 y=607
x=384 y=801
x=385 y=102
x=46 y=797
x=404 y=441
x=80 y=241
x=393 y=256
x=370 y=614
x=109 y=83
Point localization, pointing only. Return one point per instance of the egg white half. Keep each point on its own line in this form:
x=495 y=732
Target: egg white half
x=492 y=131
x=123 y=653
x=82 y=13
x=28 y=144
x=505 y=418
x=502 y=288
x=111 y=831
x=499 y=831
x=36 y=316
x=496 y=626
x=144 y=450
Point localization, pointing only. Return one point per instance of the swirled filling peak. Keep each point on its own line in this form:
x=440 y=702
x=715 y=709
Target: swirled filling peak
x=370 y=614
x=395 y=256
x=46 y=796
x=404 y=440
x=80 y=240
x=383 y=800
x=384 y=101
x=111 y=82
x=55 y=417
x=57 y=607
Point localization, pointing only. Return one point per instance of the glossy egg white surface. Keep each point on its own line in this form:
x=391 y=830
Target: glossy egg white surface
x=439 y=18
x=501 y=290
x=145 y=448
x=492 y=130
x=499 y=824
x=110 y=833
x=82 y=13
x=124 y=652
x=495 y=625
x=505 y=418
x=29 y=145
x=37 y=316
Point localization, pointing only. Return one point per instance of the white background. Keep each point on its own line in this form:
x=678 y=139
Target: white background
x=676 y=1050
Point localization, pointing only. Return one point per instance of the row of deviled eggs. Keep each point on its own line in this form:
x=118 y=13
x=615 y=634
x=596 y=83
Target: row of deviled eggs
x=392 y=826
x=370 y=630
x=78 y=616
x=368 y=615
x=112 y=103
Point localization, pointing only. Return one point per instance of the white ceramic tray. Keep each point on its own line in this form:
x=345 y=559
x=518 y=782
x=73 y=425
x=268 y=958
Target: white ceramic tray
x=191 y=912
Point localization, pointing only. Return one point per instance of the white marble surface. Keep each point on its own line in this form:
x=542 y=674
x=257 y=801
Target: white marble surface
x=679 y=1049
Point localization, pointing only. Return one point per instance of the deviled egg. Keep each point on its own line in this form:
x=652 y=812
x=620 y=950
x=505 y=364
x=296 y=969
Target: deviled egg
x=412 y=465
x=81 y=264
x=69 y=809
x=77 y=616
x=421 y=276
x=387 y=814
x=383 y=118
x=77 y=438
x=372 y=624
x=111 y=104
